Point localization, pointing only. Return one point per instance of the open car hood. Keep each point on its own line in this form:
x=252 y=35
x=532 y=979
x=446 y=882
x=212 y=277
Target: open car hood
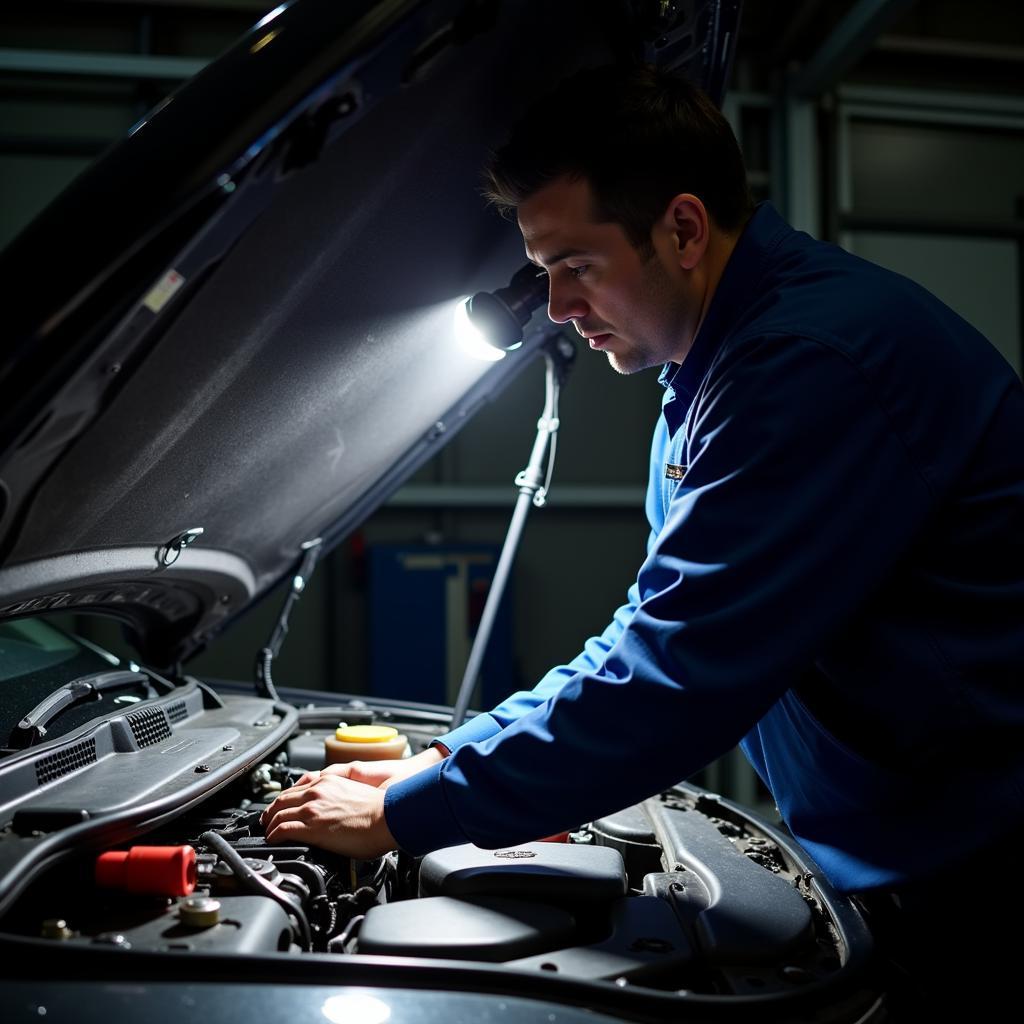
x=243 y=338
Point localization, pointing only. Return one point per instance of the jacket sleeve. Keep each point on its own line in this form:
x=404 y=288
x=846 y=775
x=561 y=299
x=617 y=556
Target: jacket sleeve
x=595 y=650
x=798 y=499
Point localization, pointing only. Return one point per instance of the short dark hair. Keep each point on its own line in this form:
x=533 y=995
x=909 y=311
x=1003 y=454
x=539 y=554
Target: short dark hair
x=639 y=136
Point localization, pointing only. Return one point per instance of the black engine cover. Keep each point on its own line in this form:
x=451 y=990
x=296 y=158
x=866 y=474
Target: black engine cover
x=564 y=873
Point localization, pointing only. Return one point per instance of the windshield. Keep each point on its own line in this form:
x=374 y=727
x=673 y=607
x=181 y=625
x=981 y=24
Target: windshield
x=37 y=658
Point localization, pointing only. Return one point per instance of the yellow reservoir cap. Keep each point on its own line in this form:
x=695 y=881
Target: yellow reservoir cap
x=365 y=734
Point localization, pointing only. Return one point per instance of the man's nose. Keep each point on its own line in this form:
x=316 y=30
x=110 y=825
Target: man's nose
x=565 y=303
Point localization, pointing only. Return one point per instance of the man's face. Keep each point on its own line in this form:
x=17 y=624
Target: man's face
x=638 y=310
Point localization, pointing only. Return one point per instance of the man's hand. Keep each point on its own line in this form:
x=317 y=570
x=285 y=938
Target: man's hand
x=378 y=773
x=334 y=813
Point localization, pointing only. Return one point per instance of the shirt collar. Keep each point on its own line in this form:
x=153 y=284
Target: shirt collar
x=747 y=263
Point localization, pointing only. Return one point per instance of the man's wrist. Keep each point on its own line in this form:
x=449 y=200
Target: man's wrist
x=382 y=834
x=418 y=815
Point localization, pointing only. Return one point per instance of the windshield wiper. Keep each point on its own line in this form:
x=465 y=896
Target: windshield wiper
x=32 y=727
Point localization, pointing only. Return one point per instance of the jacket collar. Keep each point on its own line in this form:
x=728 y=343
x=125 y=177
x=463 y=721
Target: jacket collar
x=747 y=264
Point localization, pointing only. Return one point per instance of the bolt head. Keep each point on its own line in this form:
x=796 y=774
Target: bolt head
x=55 y=928
x=199 y=912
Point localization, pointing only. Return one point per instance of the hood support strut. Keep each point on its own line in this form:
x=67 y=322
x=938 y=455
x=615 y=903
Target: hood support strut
x=307 y=563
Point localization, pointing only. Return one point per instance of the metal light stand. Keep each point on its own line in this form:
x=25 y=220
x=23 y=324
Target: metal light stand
x=533 y=483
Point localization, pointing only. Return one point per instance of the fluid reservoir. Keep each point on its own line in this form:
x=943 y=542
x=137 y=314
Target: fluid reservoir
x=365 y=743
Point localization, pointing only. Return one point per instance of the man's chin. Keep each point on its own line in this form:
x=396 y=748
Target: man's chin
x=628 y=362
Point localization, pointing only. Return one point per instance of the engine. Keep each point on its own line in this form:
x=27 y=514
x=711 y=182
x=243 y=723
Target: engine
x=684 y=893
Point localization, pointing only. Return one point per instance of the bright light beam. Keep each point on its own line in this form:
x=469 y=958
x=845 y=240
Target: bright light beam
x=470 y=340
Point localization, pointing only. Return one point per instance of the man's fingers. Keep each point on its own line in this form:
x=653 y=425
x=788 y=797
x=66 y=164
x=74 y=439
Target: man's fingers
x=302 y=812
x=370 y=773
x=297 y=794
x=331 y=769
x=344 y=770
x=333 y=812
x=301 y=794
x=285 y=830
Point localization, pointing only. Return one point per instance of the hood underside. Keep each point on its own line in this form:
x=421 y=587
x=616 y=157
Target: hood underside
x=248 y=329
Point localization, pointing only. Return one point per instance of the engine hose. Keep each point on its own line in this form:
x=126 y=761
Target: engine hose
x=254 y=883
x=309 y=874
x=337 y=944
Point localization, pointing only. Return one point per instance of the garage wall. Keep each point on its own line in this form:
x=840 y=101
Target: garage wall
x=937 y=199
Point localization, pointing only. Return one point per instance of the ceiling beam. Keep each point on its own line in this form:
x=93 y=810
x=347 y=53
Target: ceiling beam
x=967 y=50
x=210 y=6
x=104 y=65
x=847 y=43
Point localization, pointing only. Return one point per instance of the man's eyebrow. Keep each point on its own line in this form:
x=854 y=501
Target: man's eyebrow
x=556 y=257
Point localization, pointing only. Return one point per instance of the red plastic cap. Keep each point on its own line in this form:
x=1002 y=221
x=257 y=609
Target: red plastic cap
x=161 y=870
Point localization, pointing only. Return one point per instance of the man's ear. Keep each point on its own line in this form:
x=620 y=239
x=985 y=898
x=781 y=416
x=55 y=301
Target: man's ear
x=687 y=220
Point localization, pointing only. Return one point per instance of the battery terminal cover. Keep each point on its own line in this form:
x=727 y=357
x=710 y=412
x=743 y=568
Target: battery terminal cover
x=159 y=870
x=364 y=743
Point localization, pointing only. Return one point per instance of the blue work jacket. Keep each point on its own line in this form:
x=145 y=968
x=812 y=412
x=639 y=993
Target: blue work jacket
x=834 y=580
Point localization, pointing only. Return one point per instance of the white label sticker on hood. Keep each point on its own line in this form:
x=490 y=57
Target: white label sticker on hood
x=162 y=291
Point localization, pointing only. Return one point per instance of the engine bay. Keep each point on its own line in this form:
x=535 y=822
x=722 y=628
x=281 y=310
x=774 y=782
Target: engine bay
x=685 y=893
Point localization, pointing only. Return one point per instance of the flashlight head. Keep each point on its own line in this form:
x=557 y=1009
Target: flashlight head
x=494 y=320
x=489 y=324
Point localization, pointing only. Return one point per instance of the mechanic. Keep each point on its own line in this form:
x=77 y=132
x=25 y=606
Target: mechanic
x=835 y=572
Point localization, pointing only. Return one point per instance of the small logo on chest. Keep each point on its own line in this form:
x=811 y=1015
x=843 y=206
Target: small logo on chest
x=674 y=472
